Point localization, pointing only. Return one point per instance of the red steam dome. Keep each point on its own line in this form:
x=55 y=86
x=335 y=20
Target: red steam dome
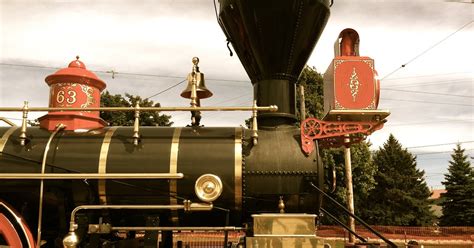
x=74 y=87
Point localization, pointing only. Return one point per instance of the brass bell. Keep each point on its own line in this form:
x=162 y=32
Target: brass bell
x=201 y=90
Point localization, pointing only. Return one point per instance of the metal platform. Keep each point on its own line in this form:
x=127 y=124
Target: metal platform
x=357 y=115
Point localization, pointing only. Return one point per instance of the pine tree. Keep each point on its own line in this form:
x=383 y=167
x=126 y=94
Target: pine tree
x=458 y=203
x=401 y=195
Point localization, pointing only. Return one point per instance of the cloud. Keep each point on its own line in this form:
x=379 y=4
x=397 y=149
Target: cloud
x=161 y=37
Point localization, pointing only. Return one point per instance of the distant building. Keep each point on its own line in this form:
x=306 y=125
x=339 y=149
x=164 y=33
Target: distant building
x=436 y=193
x=435 y=196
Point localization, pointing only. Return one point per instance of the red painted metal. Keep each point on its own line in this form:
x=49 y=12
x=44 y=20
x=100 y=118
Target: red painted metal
x=7 y=231
x=350 y=82
x=74 y=87
x=349 y=41
x=334 y=134
x=14 y=229
x=355 y=83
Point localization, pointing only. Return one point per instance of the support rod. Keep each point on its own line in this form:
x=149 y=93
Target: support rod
x=59 y=127
x=343 y=225
x=80 y=176
x=349 y=187
x=271 y=108
x=4 y=119
x=390 y=243
x=174 y=228
x=302 y=103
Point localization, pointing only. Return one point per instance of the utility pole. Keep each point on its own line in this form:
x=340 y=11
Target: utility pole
x=350 y=192
x=302 y=104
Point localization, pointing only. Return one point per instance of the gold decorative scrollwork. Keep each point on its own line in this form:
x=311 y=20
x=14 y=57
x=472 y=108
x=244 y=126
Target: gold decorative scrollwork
x=338 y=105
x=337 y=63
x=372 y=105
x=369 y=63
x=354 y=84
x=89 y=91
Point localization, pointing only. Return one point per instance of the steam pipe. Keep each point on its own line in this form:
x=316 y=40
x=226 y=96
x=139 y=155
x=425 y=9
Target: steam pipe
x=71 y=240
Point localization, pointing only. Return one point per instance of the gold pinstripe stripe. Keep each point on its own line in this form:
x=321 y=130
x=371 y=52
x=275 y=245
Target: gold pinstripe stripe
x=5 y=137
x=174 y=169
x=238 y=168
x=104 y=152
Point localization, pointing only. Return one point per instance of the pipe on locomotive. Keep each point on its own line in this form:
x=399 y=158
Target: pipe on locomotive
x=58 y=128
x=72 y=240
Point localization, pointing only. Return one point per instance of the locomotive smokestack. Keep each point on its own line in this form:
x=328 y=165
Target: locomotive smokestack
x=274 y=39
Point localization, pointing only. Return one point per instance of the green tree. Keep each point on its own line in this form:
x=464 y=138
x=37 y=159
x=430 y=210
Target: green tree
x=313 y=91
x=362 y=164
x=458 y=203
x=126 y=118
x=401 y=195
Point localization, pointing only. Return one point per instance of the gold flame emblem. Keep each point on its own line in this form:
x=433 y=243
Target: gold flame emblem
x=354 y=84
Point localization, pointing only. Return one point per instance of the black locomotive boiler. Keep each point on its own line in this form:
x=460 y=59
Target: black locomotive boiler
x=191 y=176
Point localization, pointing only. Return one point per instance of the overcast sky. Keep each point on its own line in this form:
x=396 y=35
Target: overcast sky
x=161 y=37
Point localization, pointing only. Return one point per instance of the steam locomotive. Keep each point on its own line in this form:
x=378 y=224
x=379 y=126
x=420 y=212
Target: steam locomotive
x=172 y=177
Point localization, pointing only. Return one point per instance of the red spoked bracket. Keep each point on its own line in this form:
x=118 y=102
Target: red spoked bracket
x=334 y=133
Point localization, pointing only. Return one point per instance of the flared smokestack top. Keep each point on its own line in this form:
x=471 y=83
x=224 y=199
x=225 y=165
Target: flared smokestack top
x=274 y=39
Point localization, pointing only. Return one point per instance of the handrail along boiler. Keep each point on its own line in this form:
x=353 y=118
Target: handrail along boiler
x=78 y=182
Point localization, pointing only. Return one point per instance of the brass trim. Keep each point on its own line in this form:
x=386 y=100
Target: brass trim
x=58 y=128
x=271 y=108
x=4 y=119
x=173 y=169
x=81 y=176
x=238 y=168
x=102 y=168
x=6 y=135
x=208 y=187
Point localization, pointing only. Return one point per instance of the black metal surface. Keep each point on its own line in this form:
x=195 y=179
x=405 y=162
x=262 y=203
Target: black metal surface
x=273 y=39
x=277 y=167
x=208 y=150
x=151 y=156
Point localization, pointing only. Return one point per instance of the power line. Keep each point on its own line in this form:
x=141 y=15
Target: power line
x=428 y=93
x=429 y=48
x=129 y=74
x=31 y=66
x=430 y=75
x=429 y=153
x=113 y=72
x=428 y=122
x=169 y=88
x=443 y=103
x=449 y=82
x=445 y=144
